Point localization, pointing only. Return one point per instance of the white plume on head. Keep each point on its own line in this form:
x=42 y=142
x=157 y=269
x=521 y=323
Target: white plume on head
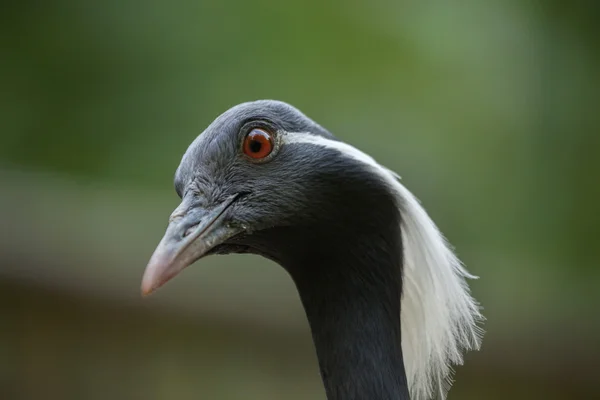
x=439 y=317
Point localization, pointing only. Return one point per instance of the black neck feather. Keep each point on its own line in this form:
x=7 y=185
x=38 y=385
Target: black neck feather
x=352 y=301
x=345 y=257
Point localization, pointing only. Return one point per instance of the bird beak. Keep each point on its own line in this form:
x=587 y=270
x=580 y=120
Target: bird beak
x=191 y=233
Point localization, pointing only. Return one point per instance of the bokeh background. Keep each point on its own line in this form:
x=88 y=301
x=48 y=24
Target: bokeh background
x=488 y=109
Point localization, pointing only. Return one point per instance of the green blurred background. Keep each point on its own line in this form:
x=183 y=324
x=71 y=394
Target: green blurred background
x=488 y=109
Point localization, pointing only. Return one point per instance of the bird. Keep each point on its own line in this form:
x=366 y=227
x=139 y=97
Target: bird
x=386 y=298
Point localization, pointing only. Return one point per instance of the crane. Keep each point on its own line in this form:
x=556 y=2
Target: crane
x=386 y=298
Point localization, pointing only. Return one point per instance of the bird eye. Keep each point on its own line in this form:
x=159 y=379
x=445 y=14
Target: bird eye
x=258 y=144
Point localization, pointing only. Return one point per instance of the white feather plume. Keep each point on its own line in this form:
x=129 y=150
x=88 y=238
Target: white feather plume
x=439 y=317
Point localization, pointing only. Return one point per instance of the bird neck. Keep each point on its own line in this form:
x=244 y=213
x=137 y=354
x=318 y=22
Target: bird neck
x=352 y=300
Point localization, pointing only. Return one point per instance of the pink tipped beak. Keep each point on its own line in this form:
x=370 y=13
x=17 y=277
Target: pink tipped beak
x=189 y=236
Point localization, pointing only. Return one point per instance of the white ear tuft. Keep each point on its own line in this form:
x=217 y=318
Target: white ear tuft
x=438 y=315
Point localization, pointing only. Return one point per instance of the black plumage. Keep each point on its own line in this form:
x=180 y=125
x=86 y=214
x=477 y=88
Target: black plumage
x=350 y=236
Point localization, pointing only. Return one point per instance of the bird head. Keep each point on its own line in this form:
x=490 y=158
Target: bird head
x=264 y=178
x=258 y=170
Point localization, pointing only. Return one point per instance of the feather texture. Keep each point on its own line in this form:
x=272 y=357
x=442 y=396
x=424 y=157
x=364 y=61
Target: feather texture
x=439 y=317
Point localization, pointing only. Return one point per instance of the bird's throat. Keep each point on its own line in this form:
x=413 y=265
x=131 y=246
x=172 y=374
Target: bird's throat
x=347 y=267
x=352 y=301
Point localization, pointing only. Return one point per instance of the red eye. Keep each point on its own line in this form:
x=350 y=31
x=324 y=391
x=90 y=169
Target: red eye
x=258 y=144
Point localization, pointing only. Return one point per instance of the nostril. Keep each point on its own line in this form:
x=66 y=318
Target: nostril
x=176 y=215
x=190 y=230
